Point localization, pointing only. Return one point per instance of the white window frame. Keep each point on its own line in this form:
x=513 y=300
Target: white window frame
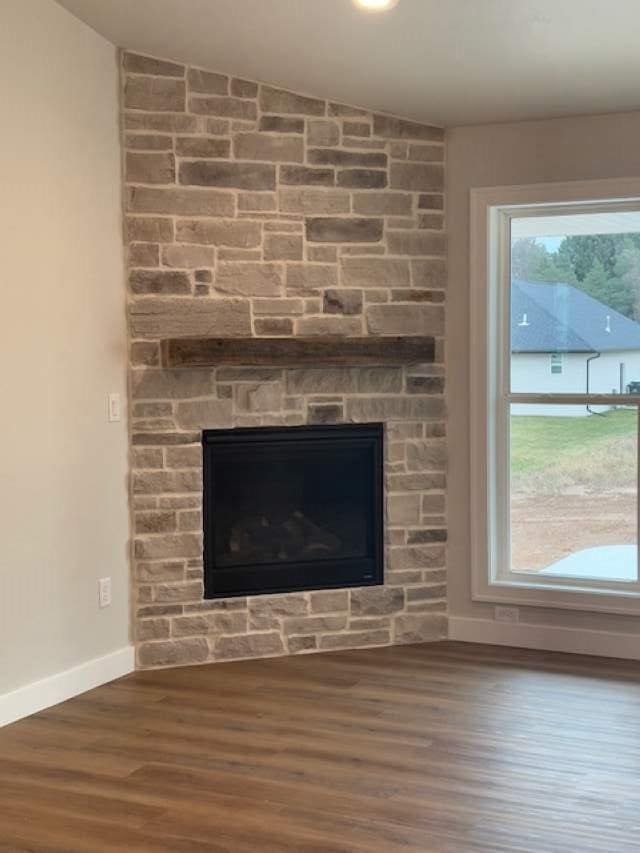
x=490 y=211
x=556 y=360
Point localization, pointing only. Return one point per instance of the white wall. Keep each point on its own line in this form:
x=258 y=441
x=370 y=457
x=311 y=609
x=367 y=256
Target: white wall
x=63 y=491
x=531 y=372
x=509 y=154
x=604 y=373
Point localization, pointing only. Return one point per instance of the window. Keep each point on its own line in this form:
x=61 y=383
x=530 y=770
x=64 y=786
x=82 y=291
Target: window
x=556 y=362
x=555 y=353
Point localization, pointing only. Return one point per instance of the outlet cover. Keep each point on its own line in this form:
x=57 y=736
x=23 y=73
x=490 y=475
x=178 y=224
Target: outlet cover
x=507 y=614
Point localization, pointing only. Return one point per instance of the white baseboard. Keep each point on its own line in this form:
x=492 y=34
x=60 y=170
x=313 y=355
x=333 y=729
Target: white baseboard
x=548 y=638
x=64 y=685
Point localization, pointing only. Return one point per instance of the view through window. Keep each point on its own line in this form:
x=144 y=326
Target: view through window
x=574 y=330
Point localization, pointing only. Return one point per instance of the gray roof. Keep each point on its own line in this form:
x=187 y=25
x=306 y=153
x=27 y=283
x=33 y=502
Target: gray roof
x=557 y=317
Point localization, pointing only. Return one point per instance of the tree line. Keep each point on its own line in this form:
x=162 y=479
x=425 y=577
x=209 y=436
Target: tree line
x=606 y=266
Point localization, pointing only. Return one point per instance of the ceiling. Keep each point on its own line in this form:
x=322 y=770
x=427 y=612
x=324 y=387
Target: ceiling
x=448 y=62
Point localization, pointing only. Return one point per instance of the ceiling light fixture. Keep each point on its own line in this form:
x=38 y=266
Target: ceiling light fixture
x=375 y=5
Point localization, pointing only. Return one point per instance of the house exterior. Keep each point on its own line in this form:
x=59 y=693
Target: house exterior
x=565 y=341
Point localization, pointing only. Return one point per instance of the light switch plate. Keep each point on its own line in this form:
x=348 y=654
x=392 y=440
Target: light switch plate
x=114 y=408
x=104 y=592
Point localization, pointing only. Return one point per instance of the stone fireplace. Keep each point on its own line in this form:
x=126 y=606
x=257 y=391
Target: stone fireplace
x=255 y=214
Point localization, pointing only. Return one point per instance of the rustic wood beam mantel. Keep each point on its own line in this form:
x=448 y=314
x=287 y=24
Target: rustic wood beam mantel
x=291 y=352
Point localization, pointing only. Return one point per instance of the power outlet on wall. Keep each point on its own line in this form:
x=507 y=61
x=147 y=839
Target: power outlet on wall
x=507 y=614
x=104 y=592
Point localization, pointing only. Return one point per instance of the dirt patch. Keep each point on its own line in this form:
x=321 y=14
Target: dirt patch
x=546 y=528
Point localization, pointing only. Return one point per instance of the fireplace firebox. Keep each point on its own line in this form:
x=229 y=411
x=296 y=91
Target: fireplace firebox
x=292 y=508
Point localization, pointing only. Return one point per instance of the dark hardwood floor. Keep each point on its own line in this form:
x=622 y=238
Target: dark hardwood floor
x=445 y=747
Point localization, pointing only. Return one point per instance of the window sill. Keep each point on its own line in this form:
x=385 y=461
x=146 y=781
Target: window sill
x=556 y=596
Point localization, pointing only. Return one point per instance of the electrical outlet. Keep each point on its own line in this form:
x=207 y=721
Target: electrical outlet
x=104 y=592
x=114 y=408
x=507 y=614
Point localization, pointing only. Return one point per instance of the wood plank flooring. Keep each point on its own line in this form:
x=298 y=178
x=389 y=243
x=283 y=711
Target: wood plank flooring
x=443 y=747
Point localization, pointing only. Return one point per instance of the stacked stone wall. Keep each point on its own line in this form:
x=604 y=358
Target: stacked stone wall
x=251 y=211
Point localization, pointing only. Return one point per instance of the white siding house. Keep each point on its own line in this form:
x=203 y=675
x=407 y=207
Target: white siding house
x=565 y=341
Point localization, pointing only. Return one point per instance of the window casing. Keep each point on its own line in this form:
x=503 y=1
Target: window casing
x=491 y=397
x=555 y=363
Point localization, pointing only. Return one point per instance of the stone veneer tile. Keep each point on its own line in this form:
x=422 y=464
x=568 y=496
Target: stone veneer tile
x=307 y=279
x=157 y=318
x=216 y=622
x=384 y=408
x=173 y=652
x=298 y=645
x=154 y=94
x=207 y=82
x=419 y=628
x=376 y=600
x=257 y=146
x=397 y=128
x=331 y=601
x=310 y=201
x=342 y=301
x=340 y=157
x=179 y=544
x=283 y=215
x=281 y=124
x=334 y=229
x=136 y=63
x=180 y=202
x=248 y=646
x=415 y=319
x=150 y=167
x=143 y=282
x=318 y=380
x=234 y=108
x=417 y=176
x=323 y=132
x=204 y=414
x=374 y=272
x=220 y=232
x=249 y=278
x=330 y=326
x=189 y=257
x=171 y=384
x=216 y=173
x=354 y=640
x=383 y=204
x=280 y=101
x=243 y=88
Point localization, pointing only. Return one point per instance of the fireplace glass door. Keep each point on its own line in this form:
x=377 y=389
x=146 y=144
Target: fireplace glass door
x=292 y=508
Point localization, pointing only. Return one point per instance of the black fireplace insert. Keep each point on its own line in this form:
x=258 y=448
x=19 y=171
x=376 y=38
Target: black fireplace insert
x=292 y=508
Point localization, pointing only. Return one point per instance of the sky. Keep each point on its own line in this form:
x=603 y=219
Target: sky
x=551 y=244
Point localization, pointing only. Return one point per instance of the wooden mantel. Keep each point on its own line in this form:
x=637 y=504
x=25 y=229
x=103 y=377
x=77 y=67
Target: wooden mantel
x=292 y=352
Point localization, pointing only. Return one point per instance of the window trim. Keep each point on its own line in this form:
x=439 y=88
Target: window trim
x=556 y=360
x=489 y=322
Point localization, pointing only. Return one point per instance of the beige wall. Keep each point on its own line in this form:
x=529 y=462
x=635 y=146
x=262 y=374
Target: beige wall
x=506 y=154
x=63 y=494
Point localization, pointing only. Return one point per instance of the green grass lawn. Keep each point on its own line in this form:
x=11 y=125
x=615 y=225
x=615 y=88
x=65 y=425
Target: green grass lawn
x=538 y=443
